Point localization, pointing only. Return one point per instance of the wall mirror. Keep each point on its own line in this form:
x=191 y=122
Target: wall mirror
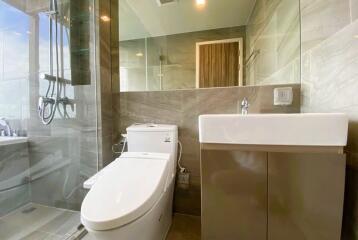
x=190 y=44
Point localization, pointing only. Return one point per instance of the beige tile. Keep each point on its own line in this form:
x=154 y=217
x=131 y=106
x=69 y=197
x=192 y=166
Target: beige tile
x=188 y=200
x=278 y=42
x=31 y=216
x=185 y=227
x=9 y=231
x=37 y=235
x=64 y=224
x=321 y=19
x=36 y=222
x=329 y=80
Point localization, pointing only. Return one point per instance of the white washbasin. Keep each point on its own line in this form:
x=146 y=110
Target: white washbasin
x=12 y=140
x=321 y=129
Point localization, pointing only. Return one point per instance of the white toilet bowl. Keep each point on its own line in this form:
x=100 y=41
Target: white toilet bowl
x=131 y=199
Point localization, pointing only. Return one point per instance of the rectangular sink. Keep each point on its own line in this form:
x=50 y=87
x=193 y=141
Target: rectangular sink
x=321 y=129
x=12 y=140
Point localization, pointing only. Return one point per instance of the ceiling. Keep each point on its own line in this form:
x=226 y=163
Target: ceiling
x=145 y=18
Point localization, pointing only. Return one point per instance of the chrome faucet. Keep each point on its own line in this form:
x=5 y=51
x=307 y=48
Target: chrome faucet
x=5 y=129
x=245 y=106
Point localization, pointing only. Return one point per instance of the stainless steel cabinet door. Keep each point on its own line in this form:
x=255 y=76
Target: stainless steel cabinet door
x=234 y=195
x=306 y=193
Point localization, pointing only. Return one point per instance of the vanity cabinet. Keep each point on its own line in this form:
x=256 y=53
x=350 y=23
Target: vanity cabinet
x=305 y=195
x=271 y=192
x=234 y=195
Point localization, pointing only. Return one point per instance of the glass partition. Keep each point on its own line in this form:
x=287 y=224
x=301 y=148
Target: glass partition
x=43 y=167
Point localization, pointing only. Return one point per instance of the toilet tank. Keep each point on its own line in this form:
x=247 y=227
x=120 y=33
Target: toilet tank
x=155 y=138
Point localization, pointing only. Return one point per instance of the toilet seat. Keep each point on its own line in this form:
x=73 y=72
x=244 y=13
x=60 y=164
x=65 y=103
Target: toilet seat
x=125 y=190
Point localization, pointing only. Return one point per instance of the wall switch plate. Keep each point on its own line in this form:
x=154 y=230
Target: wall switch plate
x=283 y=96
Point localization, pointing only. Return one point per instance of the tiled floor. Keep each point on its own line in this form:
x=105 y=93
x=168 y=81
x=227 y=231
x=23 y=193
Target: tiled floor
x=185 y=227
x=38 y=222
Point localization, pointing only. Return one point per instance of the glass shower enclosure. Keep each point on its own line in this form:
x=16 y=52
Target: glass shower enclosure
x=47 y=69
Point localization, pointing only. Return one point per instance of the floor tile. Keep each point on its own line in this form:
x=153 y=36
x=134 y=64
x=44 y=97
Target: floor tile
x=185 y=227
x=38 y=222
x=32 y=215
x=38 y=235
x=64 y=224
x=9 y=231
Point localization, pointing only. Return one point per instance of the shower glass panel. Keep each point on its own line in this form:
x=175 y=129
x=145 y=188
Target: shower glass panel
x=43 y=167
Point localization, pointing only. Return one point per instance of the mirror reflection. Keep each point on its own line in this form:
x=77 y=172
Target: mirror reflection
x=188 y=44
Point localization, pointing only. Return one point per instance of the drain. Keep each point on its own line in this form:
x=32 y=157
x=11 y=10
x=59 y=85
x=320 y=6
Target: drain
x=28 y=210
x=80 y=227
x=80 y=233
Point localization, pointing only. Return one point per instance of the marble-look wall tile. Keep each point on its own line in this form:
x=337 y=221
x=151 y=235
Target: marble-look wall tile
x=183 y=108
x=354 y=10
x=55 y=170
x=273 y=42
x=107 y=75
x=14 y=176
x=320 y=19
x=330 y=80
x=63 y=154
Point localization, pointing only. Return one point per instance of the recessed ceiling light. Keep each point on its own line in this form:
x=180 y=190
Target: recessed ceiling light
x=105 y=18
x=139 y=54
x=200 y=2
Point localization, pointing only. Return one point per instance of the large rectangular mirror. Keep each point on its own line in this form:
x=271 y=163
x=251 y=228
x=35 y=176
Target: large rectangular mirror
x=188 y=44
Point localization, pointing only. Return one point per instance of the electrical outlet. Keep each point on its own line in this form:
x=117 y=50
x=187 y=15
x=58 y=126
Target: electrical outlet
x=183 y=178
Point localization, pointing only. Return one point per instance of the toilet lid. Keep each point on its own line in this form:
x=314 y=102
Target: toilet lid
x=127 y=189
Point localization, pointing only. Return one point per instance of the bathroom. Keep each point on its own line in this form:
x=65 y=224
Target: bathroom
x=87 y=86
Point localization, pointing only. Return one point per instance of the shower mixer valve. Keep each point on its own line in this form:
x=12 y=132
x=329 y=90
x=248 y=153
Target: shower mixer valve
x=66 y=101
x=43 y=103
x=52 y=103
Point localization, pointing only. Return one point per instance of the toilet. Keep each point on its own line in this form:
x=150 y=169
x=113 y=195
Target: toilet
x=132 y=197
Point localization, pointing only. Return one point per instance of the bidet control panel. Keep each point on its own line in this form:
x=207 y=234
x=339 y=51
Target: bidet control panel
x=167 y=139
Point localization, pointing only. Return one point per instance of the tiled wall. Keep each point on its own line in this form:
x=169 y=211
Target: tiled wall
x=179 y=59
x=273 y=42
x=64 y=154
x=183 y=108
x=107 y=76
x=330 y=79
x=14 y=175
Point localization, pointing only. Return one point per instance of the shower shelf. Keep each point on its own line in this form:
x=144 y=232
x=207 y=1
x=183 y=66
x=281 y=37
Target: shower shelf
x=81 y=52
